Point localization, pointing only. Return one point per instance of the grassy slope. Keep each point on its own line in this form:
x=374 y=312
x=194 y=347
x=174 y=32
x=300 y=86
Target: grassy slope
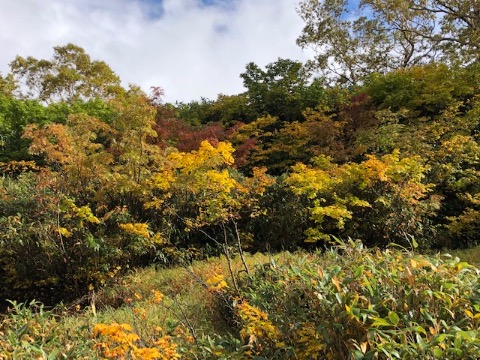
x=130 y=301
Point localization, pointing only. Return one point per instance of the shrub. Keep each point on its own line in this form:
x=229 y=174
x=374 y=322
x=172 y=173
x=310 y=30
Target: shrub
x=29 y=331
x=365 y=304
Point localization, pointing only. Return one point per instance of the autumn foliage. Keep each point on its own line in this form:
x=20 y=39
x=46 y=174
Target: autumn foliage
x=98 y=180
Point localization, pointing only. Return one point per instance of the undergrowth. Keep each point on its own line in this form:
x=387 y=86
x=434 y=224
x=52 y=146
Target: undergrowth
x=346 y=303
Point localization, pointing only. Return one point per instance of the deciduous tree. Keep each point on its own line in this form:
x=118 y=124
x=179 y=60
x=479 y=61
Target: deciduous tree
x=70 y=75
x=352 y=41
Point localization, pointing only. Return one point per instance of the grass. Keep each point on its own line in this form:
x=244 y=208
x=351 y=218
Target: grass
x=470 y=255
x=185 y=296
x=186 y=304
x=129 y=301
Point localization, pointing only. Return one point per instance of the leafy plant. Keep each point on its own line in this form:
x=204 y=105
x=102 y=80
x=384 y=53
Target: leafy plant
x=365 y=304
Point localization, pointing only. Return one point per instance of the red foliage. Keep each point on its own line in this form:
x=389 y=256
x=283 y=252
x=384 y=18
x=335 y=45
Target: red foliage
x=243 y=151
x=176 y=132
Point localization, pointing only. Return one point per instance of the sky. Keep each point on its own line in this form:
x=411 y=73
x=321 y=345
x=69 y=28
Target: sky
x=190 y=48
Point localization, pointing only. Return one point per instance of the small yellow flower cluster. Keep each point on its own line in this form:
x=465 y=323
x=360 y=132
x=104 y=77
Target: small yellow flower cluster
x=119 y=341
x=146 y=353
x=157 y=297
x=309 y=342
x=169 y=348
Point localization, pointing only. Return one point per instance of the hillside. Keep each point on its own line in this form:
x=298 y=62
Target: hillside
x=347 y=302
x=151 y=219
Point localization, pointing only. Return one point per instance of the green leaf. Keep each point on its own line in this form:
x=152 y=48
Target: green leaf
x=458 y=341
x=368 y=285
x=437 y=352
x=420 y=342
x=414 y=243
x=393 y=317
x=378 y=322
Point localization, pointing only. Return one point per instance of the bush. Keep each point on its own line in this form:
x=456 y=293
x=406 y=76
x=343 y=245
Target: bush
x=53 y=249
x=355 y=303
x=31 y=332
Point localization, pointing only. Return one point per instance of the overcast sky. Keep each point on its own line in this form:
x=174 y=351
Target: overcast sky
x=191 y=48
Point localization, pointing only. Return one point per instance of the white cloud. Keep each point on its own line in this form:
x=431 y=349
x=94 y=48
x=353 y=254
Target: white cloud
x=190 y=50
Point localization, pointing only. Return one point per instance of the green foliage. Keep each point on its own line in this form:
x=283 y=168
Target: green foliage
x=7 y=85
x=282 y=90
x=226 y=110
x=16 y=115
x=349 y=302
x=285 y=220
x=423 y=90
x=200 y=192
x=29 y=331
x=70 y=75
x=120 y=180
x=53 y=249
x=364 y=304
x=353 y=40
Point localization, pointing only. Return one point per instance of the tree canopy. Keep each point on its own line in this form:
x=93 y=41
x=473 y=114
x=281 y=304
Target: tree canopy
x=354 y=39
x=69 y=76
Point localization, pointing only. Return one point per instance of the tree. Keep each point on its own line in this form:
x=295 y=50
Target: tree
x=69 y=76
x=225 y=110
x=383 y=199
x=15 y=114
x=203 y=190
x=7 y=85
x=284 y=89
x=381 y=35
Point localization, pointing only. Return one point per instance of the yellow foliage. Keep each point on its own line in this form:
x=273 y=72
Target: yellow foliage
x=158 y=239
x=63 y=231
x=206 y=156
x=216 y=283
x=336 y=212
x=169 y=348
x=336 y=191
x=254 y=129
x=256 y=325
x=259 y=181
x=310 y=344
x=146 y=353
x=13 y=167
x=205 y=181
x=163 y=179
x=139 y=229
x=119 y=341
x=85 y=213
x=157 y=296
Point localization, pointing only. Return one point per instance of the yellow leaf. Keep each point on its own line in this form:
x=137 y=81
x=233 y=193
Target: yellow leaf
x=63 y=231
x=320 y=272
x=410 y=276
x=336 y=283
x=139 y=229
